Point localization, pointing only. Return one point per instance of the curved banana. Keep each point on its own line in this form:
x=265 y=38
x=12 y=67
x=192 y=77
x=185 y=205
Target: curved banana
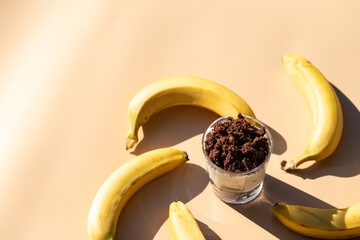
x=325 y=107
x=123 y=183
x=183 y=225
x=186 y=90
x=320 y=223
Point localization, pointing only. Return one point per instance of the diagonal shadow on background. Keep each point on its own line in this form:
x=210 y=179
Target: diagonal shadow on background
x=275 y=190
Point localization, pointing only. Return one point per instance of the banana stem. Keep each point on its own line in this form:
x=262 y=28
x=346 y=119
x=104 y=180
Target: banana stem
x=286 y=166
x=293 y=164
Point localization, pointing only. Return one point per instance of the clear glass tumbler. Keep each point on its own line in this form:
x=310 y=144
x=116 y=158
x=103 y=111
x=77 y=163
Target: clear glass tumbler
x=237 y=187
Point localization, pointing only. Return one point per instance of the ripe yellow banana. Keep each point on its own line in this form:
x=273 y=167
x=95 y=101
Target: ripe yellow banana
x=320 y=223
x=325 y=107
x=183 y=225
x=123 y=183
x=186 y=90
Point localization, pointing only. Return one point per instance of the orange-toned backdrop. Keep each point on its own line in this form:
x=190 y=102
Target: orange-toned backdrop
x=68 y=70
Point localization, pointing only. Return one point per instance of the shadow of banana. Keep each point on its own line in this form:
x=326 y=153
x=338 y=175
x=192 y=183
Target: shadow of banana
x=148 y=209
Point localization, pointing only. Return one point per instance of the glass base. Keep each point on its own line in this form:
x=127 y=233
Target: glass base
x=234 y=196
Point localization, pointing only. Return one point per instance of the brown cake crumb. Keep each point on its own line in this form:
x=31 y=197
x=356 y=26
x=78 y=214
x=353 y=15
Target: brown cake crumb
x=237 y=146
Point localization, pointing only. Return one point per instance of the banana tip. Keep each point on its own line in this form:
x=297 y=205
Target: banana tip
x=186 y=156
x=275 y=204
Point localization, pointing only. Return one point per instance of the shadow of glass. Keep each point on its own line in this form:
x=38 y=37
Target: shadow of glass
x=344 y=162
x=148 y=209
x=174 y=125
x=275 y=190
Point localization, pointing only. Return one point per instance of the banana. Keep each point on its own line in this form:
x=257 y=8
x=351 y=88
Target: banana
x=186 y=90
x=320 y=223
x=325 y=107
x=183 y=225
x=123 y=183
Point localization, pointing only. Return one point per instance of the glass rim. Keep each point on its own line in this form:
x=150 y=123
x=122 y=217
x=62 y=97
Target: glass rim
x=237 y=173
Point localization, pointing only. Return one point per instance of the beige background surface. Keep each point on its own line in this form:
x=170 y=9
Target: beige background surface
x=68 y=70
